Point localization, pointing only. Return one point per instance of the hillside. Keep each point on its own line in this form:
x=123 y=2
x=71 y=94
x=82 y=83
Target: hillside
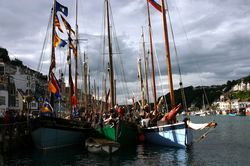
x=194 y=94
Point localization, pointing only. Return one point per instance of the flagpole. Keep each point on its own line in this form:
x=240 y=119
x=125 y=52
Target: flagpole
x=171 y=91
x=53 y=59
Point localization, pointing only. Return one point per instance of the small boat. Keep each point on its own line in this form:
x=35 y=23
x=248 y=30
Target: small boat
x=100 y=145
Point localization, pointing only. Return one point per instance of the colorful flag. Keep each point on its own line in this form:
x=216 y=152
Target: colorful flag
x=61 y=8
x=58 y=41
x=67 y=25
x=62 y=43
x=57 y=24
x=51 y=87
x=155 y=4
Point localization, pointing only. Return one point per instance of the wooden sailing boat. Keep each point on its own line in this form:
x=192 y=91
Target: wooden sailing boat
x=119 y=130
x=167 y=132
x=50 y=131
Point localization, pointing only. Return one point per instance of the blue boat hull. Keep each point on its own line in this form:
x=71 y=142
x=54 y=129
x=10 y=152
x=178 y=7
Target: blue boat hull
x=174 y=135
x=49 y=138
x=51 y=133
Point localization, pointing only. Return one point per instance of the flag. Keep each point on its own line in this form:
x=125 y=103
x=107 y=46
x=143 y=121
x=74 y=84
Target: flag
x=57 y=24
x=62 y=43
x=55 y=82
x=155 y=4
x=61 y=8
x=51 y=87
x=67 y=25
x=58 y=41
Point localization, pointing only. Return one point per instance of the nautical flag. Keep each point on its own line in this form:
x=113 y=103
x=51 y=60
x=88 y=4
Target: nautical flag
x=61 y=8
x=58 y=41
x=67 y=25
x=55 y=82
x=57 y=24
x=62 y=43
x=155 y=4
x=51 y=87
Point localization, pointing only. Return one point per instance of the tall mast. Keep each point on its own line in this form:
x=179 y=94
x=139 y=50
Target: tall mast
x=53 y=57
x=76 y=56
x=171 y=90
x=152 y=56
x=85 y=82
x=111 y=73
x=145 y=66
x=141 y=81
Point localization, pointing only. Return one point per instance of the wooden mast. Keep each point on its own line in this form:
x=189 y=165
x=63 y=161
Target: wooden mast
x=85 y=82
x=76 y=56
x=111 y=73
x=145 y=66
x=171 y=90
x=53 y=58
x=141 y=81
x=152 y=57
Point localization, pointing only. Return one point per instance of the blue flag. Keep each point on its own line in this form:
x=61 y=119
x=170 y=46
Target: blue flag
x=61 y=8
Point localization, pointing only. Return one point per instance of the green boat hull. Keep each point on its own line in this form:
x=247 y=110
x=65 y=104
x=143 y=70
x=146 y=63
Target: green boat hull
x=125 y=133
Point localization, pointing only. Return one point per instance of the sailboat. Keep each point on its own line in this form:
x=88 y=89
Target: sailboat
x=119 y=130
x=167 y=131
x=50 y=131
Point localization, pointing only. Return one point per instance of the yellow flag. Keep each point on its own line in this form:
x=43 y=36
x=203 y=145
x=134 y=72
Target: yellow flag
x=51 y=88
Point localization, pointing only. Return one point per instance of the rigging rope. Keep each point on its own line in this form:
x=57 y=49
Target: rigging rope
x=39 y=67
x=178 y=62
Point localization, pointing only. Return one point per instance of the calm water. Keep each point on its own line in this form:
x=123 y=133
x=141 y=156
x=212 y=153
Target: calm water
x=227 y=144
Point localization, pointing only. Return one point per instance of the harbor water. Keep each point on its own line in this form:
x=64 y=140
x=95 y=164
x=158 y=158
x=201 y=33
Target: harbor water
x=227 y=144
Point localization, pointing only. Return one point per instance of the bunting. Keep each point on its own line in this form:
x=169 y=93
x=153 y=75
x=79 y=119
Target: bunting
x=155 y=4
x=57 y=24
x=67 y=25
x=61 y=8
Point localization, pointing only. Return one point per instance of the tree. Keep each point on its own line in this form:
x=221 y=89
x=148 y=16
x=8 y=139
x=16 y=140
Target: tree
x=4 y=55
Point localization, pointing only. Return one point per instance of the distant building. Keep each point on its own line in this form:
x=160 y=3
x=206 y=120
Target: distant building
x=241 y=87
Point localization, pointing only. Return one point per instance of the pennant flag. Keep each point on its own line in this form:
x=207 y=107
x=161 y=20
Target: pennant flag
x=57 y=40
x=58 y=95
x=61 y=8
x=67 y=25
x=62 y=43
x=57 y=24
x=51 y=87
x=155 y=4
x=55 y=82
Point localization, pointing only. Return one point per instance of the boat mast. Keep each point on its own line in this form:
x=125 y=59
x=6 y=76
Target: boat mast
x=145 y=66
x=85 y=82
x=53 y=57
x=111 y=73
x=152 y=56
x=76 y=56
x=141 y=81
x=167 y=54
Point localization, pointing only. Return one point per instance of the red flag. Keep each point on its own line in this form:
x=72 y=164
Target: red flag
x=155 y=4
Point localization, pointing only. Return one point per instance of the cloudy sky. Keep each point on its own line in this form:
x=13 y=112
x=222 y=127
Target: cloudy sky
x=212 y=38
